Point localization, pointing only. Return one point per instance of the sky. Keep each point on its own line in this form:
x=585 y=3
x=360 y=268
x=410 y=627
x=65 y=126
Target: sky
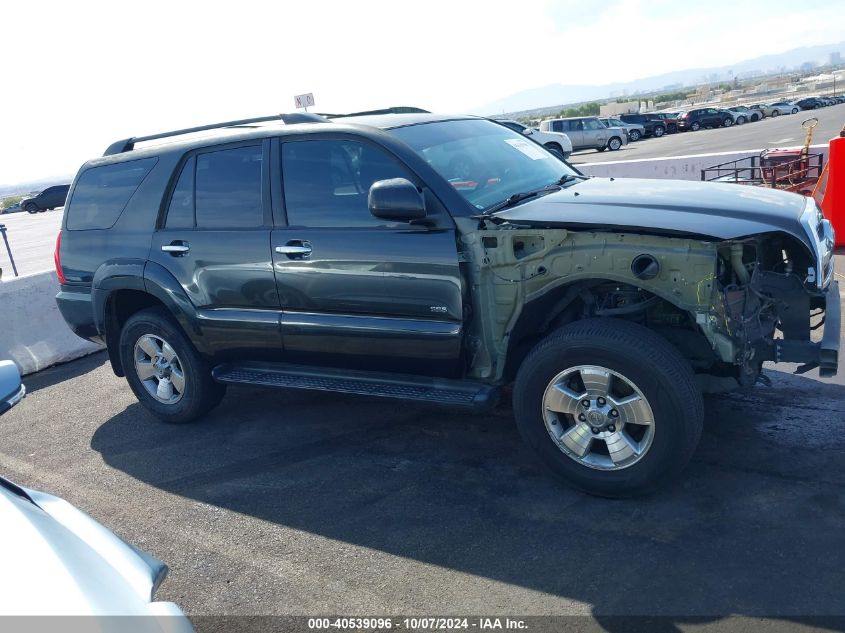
x=78 y=75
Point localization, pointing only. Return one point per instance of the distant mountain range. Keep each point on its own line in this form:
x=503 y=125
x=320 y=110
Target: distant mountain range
x=561 y=94
x=35 y=185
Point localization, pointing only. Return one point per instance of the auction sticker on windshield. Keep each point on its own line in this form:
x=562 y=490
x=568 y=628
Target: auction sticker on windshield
x=529 y=149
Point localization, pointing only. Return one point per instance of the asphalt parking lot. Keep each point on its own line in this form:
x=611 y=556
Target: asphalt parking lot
x=782 y=131
x=32 y=239
x=303 y=503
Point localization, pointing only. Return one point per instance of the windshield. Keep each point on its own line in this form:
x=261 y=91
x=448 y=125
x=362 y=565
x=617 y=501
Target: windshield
x=484 y=161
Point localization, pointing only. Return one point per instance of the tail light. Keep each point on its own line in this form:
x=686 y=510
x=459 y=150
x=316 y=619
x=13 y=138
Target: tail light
x=57 y=258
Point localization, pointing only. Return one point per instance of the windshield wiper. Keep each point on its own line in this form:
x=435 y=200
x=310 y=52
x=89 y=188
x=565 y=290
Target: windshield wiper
x=524 y=195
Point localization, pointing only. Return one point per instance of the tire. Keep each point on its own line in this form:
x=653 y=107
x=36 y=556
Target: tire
x=672 y=129
x=31 y=207
x=614 y=144
x=755 y=118
x=727 y=122
x=634 y=136
x=740 y=120
x=695 y=126
x=554 y=147
x=794 y=110
x=601 y=149
x=626 y=354
x=199 y=394
x=658 y=131
x=775 y=113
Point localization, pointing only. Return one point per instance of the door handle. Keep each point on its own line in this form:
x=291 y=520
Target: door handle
x=176 y=248
x=295 y=249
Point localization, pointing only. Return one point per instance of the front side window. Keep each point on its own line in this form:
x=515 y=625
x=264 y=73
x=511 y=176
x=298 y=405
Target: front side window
x=327 y=182
x=485 y=162
x=228 y=188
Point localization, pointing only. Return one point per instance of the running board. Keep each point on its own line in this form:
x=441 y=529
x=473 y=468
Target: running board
x=453 y=393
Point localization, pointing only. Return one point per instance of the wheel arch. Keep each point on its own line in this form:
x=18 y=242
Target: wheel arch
x=558 y=306
x=123 y=288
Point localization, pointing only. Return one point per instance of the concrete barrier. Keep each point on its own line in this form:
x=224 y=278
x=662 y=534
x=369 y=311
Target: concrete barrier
x=675 y=167
x=32 y=331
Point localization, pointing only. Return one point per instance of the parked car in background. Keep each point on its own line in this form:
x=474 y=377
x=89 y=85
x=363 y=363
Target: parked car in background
x=744 y=115
x=670 y=119
x=587 y=133
x=51 y=198
x=556 y=141
x=12 y=209
x=781 y=107
x=654 y=126
x=759 y=108
x=694 y=120
x=811 y=103
x=635 y=130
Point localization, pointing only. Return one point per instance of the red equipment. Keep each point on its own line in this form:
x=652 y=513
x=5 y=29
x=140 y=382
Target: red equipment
x=833 y=202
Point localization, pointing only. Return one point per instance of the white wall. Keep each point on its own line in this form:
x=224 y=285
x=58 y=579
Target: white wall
x=32 y=330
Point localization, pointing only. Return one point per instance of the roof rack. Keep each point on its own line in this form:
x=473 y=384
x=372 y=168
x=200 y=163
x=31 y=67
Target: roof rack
x=393 y=110
x=128 y=144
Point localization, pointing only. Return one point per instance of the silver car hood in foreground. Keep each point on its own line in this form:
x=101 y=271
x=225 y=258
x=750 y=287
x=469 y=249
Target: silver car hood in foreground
x=722 y=211
x=56 y=560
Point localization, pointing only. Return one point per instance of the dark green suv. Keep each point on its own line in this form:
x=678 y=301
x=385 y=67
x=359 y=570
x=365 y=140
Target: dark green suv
x=439 y=259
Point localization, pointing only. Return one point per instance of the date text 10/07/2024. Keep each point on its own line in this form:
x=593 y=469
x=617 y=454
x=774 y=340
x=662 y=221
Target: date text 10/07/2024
x=416 y=624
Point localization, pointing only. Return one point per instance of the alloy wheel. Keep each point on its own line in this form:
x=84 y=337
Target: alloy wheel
x=598 y=417
x=159 y=369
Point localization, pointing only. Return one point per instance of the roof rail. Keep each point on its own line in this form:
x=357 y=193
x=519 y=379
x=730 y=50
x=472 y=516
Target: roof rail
x=128 y=144
x=393 y=110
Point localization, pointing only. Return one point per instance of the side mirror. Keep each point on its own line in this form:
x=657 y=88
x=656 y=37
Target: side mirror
x=396 y=199
x=528 y=131
x=11 y=389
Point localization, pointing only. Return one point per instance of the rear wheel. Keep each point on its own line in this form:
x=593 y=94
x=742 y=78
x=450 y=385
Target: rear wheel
x=658 y=131
x=611 y=407
x=727 y=122
x=775 y=112
x=164 y=370
x=601 y=149
x=740 y=120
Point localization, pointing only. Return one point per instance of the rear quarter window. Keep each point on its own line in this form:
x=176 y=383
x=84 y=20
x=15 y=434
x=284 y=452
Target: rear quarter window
x=102 y=193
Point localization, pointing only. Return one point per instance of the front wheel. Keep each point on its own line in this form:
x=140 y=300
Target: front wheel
x=794 y=110
x=695 y=127
x=634 y=135
x=727 y=122
x=164 y=370
x=614 y=144
x=601 y=149
x=775 y=113
x=659 y=131
x=740 y=120
x=31 y=207
x=611 y=407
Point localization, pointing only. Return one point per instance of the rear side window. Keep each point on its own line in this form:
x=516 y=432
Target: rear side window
x=101 y=193
x=228 y=188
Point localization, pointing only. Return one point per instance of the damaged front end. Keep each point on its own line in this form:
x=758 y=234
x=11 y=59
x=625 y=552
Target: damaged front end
x=771 y=292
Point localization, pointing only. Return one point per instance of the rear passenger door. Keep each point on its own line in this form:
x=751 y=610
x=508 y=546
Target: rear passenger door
x=215 y=240
x=574 y=129
x=358 y=291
